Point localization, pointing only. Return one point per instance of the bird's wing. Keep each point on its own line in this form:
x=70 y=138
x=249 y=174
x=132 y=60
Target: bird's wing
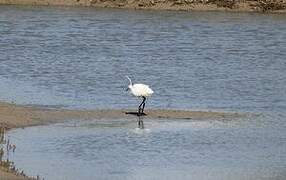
x=142 y=90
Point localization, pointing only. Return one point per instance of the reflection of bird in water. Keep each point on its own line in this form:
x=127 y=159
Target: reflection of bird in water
x=140 y=122
x=140 y=90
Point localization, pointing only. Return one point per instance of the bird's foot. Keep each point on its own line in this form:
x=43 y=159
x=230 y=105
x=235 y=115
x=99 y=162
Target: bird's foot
x=136 y=113
x=141 y=114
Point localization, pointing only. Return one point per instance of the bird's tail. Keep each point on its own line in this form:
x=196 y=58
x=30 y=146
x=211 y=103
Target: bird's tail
x=150 y=91
x=129 y=80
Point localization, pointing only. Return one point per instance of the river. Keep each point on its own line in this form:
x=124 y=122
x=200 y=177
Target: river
x=78 y=58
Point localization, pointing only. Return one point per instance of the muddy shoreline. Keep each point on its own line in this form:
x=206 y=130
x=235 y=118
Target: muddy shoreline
x=20 y=116
x=275 y=6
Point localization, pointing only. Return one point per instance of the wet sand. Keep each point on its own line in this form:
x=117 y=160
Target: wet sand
x=15 y=116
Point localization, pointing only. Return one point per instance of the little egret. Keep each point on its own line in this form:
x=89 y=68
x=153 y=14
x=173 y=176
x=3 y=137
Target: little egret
x=140 y=90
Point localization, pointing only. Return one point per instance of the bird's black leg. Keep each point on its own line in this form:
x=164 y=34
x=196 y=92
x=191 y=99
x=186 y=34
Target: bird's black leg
x=140 y=110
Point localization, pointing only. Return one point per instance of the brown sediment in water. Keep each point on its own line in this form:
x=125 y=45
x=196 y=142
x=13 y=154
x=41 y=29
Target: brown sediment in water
x=181 y=5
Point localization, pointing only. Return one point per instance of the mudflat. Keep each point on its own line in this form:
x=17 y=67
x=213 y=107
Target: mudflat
x=14 y=116
x=17 y=116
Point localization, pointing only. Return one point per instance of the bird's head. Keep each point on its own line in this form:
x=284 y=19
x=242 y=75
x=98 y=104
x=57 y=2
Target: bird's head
x=129 y=88
x=130 y=84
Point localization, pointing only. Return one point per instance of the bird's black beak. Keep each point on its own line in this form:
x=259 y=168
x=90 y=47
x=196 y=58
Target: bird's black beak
x=127 y=89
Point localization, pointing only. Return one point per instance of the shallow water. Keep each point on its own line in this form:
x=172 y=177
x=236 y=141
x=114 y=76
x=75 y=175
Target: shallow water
x=165 y=149
x=78 y=58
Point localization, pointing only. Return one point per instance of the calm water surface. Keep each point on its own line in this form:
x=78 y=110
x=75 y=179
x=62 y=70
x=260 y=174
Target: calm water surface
x=171 y=149
x=78 y=58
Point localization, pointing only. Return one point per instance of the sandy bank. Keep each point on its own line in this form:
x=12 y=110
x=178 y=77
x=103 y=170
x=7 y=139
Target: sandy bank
x=185 y=5
x=13 y=116
x=7 y=175
x=10 y=176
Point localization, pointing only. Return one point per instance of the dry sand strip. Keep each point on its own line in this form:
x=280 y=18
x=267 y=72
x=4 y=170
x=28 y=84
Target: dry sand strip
x=181 y=5
x=13 y=116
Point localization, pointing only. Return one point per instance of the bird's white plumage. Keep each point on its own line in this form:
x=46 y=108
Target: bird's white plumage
x=141 y=90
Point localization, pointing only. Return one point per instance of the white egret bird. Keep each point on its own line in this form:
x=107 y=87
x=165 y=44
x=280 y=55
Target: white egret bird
x=140 y=90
